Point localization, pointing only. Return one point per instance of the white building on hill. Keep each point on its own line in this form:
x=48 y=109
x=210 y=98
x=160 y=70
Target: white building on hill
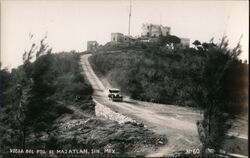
x=152 y=30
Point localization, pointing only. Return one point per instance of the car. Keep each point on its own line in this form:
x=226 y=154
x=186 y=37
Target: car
x=114 y=95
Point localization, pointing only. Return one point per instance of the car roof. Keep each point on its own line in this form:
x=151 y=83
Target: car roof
x=114 y=89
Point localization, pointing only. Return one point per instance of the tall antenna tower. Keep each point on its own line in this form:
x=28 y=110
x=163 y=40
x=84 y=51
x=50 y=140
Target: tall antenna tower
x=129 y=18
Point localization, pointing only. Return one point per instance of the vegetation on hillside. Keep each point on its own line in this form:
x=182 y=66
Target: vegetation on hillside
x=35 y=94
x=46 y=104
x=175 y=76
x=209 y=76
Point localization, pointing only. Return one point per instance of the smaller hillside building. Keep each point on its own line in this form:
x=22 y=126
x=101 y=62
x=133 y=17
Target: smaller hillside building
x=117 y=37
x=92 y=46
x=120 y=39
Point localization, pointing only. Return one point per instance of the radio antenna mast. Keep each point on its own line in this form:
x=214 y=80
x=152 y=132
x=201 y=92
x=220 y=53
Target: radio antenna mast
x=130 y=6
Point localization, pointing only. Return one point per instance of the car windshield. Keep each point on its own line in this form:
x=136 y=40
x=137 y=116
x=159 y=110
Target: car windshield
x=114 y=91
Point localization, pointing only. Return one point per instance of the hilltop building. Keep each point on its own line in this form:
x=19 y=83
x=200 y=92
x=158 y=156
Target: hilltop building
x=150 y=34
x=151 y=30
x=92 y=46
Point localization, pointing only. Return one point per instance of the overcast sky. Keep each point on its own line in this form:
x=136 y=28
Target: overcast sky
x=70 y=24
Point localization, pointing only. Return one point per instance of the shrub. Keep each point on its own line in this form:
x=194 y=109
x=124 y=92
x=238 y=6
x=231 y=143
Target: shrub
x=37 y=93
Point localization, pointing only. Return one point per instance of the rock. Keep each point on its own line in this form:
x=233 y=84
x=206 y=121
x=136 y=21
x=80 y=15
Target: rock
x=140 y=124
x=222 y=151
x=211 y=151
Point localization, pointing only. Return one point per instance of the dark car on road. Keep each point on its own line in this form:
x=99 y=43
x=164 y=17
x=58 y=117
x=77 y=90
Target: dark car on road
x=114 y=95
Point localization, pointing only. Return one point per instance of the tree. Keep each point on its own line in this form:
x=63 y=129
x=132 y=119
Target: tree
x=213 y=94
x=170 y=40
x=23 y=89
x=4 y=83
x=197 y=43
x=205 y=46
x=173 y=39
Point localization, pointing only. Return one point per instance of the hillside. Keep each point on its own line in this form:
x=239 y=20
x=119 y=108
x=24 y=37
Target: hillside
x=36 y=94
x=209 y=77
x=46 y=104
x=170 y=76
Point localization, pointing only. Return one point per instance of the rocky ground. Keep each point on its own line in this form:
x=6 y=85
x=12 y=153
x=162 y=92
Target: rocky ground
x=128 y=138
x=83 y=134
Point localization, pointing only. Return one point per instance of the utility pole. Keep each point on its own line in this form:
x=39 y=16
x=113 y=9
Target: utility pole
x=129 y=17
x=224 y=34
x=160 y=19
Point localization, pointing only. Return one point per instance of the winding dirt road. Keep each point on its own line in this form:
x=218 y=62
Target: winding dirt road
x=177 y=123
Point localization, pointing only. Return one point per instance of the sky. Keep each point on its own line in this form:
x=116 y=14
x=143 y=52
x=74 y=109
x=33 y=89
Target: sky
x=70 y=24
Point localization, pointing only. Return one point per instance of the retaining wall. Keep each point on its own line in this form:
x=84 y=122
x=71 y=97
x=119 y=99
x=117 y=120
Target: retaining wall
x=107 y=113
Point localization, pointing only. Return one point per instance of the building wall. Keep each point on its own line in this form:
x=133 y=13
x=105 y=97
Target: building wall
x=185 y=42
x=155 y=31
x=165 y=30
x=126 y=39
x=150 y=30
x=92 y=45
x=146 y=30
x=117 y=37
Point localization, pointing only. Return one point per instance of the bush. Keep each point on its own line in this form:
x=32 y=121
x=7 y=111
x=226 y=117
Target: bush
x=37 y=93
x=211 y=78
x=158 y=75
x=52 y=142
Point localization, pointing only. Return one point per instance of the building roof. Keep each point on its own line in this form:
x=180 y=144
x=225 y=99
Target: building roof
x=92 y=42
x=118 y=33
x=129 y=36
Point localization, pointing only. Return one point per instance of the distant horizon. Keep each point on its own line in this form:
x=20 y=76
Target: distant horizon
x=69 y=25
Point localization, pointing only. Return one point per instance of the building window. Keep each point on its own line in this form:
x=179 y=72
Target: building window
x=113 y=38
x=147 y=34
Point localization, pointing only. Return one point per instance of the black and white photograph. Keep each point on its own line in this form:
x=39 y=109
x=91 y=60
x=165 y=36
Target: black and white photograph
x=124 y=78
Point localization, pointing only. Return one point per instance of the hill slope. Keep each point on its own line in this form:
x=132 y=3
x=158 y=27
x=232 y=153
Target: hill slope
x=48 y=105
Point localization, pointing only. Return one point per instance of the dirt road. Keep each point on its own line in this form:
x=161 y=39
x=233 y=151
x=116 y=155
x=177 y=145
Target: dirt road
x=177 y=123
